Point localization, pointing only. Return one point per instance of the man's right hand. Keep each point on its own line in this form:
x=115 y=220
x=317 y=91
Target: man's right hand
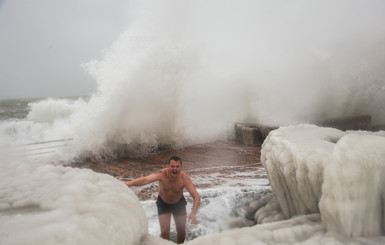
x=127 y=183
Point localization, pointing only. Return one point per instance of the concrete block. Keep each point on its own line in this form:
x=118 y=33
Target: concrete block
x=251 y=136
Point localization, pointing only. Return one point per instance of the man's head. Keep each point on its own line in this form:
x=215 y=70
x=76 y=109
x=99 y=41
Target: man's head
x=175 y=166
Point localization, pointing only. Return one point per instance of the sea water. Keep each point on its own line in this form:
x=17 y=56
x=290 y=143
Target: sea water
x=218 y=207
x=27 y=127
x=226 y=197
x=14 y=108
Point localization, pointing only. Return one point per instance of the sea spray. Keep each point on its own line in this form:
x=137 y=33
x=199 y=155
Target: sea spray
x=184 y=73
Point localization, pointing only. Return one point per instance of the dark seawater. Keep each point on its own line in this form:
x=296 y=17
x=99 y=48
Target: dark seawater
x=11 y=109
x=15 y=108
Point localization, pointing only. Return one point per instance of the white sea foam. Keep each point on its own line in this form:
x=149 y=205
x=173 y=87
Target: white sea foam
x=218 y=207
x=230 y=176
x=49 y=110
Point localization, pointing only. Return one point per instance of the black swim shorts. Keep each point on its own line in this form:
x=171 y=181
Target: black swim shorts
x=177 y=209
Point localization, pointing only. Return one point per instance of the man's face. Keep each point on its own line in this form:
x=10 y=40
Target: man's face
x=174 y=168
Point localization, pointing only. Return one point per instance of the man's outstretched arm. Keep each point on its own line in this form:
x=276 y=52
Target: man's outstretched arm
x=143 y=180
x=197 y=200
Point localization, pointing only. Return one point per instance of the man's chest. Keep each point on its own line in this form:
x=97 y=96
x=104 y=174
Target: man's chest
x=172 y=186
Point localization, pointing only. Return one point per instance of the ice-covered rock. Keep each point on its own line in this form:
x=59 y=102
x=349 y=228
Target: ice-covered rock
x=352 y=202
x=340 y=175
x=294 y=158
x=47 y=204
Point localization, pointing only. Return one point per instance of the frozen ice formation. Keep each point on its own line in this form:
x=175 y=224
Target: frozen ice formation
x=340 y=175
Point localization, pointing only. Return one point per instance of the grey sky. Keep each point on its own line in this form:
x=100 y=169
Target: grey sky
x=44 y=42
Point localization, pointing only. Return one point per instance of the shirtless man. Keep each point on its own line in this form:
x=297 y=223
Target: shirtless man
x=172 y=181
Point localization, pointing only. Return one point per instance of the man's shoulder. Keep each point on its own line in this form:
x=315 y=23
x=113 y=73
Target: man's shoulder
x=162 y=172
x=184 y=175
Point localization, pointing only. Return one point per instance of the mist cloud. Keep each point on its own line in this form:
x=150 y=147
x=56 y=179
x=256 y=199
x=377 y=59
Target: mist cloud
x=273 y=61
x=283 y=62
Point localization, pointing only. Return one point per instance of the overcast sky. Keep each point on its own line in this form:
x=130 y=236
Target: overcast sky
x=44 y=42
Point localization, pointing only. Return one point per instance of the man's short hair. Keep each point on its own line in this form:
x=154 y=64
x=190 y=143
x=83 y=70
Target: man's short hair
x=176 y=159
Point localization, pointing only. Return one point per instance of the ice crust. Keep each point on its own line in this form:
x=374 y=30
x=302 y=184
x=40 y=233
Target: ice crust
x=352 y=202
x=294 y=158
x=337 y=174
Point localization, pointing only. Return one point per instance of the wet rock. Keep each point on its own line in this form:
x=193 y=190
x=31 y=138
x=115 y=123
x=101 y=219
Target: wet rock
x=257 y=204
x=269 y=212
x=239 y=222
x=361 y=122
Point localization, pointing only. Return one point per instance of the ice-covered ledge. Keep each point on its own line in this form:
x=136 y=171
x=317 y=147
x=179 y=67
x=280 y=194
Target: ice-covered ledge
x=338 y=174
x=294 y=158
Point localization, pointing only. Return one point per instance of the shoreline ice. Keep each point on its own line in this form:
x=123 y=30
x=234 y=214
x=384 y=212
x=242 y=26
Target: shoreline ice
x=47 y=204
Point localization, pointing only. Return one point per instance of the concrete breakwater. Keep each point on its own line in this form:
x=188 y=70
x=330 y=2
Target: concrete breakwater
x=253 y=134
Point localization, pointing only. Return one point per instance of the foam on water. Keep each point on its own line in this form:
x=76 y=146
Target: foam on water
x=227 y=192
x=218 y=207
x=230 y=176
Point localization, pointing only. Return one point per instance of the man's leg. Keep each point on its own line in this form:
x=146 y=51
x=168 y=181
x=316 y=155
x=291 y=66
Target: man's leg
x=180 y=223
x=164 y=221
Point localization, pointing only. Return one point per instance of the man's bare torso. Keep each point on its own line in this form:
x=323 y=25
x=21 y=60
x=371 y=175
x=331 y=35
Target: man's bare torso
x=170 y=189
